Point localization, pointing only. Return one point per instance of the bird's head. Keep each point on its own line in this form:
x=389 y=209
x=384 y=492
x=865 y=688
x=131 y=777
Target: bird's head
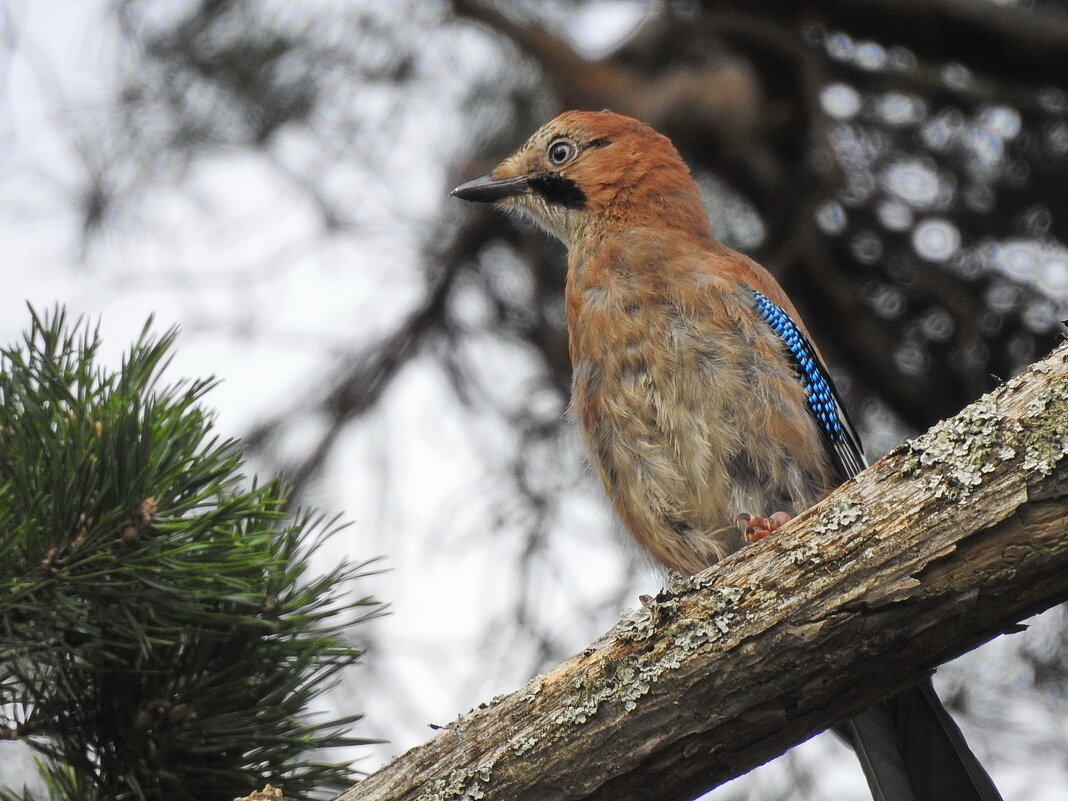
x=587 y=173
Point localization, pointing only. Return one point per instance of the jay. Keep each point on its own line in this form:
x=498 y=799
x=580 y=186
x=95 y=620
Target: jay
x=706 y=409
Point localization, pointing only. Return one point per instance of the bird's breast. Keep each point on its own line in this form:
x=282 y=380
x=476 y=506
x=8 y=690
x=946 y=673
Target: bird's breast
x=690 y=414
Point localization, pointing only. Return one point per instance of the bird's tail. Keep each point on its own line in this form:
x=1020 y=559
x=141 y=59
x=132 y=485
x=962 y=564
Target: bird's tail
x=911 y=750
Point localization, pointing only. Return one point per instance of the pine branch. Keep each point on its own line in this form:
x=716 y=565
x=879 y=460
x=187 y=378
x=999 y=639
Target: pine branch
x=943 y=544
x=161 y=633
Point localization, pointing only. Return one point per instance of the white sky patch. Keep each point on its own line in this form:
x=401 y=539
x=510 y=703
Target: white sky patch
x=913 y=182
x=1041 y=265
x=936 y=239
x=840 y=100
x=601 y=26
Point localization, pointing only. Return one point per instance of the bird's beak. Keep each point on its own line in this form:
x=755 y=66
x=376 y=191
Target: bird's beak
x=486 y=189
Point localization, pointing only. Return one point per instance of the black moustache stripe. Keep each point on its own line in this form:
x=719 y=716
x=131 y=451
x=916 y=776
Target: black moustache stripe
x=558 y=190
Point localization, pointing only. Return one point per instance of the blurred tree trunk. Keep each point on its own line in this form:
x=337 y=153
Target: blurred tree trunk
x=943 y=544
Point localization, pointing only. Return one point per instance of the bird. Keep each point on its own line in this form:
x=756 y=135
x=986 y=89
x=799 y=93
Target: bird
x=706 y=408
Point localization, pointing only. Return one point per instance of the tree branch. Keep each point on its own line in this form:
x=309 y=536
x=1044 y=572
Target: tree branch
x=943 y=544
x=365 y=376
x=1014 y=43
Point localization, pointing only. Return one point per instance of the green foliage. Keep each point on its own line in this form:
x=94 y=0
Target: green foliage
x=161 y=635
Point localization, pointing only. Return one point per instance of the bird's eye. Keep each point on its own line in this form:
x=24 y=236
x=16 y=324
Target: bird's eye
x=561 y=150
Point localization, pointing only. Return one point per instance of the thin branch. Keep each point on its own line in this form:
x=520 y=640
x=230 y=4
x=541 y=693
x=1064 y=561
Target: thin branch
x=369 y=372
x=1011 y=42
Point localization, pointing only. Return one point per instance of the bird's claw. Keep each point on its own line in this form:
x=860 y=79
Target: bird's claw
x=757 y=528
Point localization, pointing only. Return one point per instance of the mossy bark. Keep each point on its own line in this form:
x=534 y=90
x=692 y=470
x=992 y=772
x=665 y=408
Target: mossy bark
x=943 y=544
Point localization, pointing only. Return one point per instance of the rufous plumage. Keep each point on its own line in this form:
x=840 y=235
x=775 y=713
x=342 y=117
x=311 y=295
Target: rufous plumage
x=707 y=411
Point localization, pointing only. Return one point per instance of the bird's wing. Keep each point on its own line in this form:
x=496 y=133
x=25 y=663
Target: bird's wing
x=824 y=402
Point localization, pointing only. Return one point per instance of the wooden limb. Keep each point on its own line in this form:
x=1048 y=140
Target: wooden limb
x=1022 y=44
x=943 y=544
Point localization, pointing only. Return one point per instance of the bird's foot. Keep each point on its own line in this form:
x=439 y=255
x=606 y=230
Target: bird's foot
x=757 y=528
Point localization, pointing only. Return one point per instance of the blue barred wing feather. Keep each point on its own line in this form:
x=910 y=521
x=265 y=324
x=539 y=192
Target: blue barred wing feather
x=824 y=403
